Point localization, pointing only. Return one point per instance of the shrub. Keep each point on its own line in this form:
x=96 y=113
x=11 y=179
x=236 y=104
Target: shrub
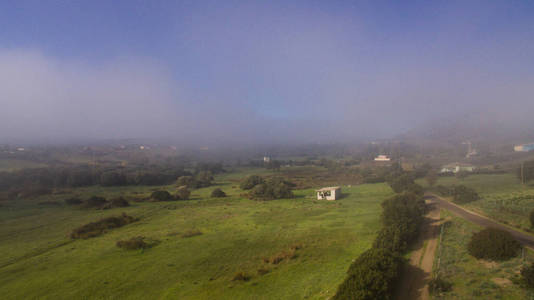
x=274 y=188
x=241 y=276
x=133 y=243
x=463 y=194
x=99 y=227
x=493 y=244
x=95 y=202
x=531 y=217
x=161 y=196
x=116 y=202
x=437 y=286
x=182 y=193
x=191 y=233
x=527 y=275
x=218 y=193
x=53 y=203
x=250 y=182
x=263 y=271
x=73 y=201
x=371 y=276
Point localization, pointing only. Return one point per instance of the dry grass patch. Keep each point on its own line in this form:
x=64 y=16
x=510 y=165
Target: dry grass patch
x=191 y=233
x=241 y=276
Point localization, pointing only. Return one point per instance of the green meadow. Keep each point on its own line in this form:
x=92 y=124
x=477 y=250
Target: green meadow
x=472 y=278
x=238 y=235
x=502 y=197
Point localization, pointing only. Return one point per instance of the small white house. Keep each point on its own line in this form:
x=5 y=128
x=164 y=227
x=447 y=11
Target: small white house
x=329 y=193
x=457 y=167
x=266 y=159
x=382 y=158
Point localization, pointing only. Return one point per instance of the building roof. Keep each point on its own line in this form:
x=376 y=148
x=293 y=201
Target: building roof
x=326 y=189
x=453 y=165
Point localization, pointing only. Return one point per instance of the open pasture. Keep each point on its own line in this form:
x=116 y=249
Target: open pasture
x=207 y=248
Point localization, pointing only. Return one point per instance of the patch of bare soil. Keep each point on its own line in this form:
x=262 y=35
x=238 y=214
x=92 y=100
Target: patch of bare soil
x=501 y=281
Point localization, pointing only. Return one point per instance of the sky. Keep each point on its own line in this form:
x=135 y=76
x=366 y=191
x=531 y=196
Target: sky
x=260 y=71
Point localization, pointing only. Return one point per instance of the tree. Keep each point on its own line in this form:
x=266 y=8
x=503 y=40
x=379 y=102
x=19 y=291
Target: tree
x=161 y=196
x=527 y=274
x=531 y=217
x=182 y=193
x=493 y=244
x=218 y=193
x=371 y=276
x=463 y=194
x=251 y=181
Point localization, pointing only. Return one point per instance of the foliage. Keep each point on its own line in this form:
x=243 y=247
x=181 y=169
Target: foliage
x=431 y=178
x=531 y=218
x=116 y=202
x=274 y=188
x=161 y=196
x=403 y=182
x=94 y=202
x=526 y=171
x=201 y=179
x=73 y=201
x=371 y=276
x=218 y=193
x=493 y=244
x=99 y=227
x=112 y=178
x=182 y=193
x=251 y=181
x=133 y=243
x=437 y=286
x=462 y=194
x=527 y=275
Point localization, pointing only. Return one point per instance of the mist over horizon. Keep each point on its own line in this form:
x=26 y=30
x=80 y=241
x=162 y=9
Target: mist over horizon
x=233 y=72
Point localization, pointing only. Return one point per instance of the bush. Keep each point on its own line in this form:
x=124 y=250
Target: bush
x=73 y=201
x=250 y=182
x=182 y=193
x=116 y=202
x=218 y=193
x=493 y=244
x=241 y=276
x=134 y=243
x=161 y=196
x=99 y=227
x=531 y=217
x=274 y=188
x=95 y=202
x=437 y=286
x=371 y=276
x=191 y=233
x=527 y=275
x=463 y=194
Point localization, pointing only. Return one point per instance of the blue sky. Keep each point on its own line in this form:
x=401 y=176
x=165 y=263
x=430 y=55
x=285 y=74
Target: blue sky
x=252 y=70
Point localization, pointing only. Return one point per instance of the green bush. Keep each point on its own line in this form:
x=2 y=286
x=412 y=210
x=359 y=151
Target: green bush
x=531 y=217
x=371 y=276
x=527 y=275
x=437 y=286
x=73 y=201
x=95 y=202
x=218 y=193
x=463 y=194
x=183 y=193
x=493 y=244
x=161 y=196
x=116 y=202
x=250 y=182
x=99 y=227
x=274 y=188
x=133 y=243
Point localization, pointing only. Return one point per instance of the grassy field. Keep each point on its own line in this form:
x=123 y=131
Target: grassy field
x=472 y=278
x=502 y=197
x=38 y=260
x=17 y=164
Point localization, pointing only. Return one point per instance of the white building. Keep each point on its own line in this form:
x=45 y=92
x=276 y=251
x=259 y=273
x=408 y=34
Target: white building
x=524 y=148
x=329 y=193
x=382 y=158
x=457 y=167
x=266 y=159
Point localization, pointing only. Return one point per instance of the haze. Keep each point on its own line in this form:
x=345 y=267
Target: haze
x=260 y=71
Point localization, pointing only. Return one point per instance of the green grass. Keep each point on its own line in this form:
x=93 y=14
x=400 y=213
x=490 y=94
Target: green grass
x=38 y=260
x=502 y=197
x=471 y=278
x=18 y=164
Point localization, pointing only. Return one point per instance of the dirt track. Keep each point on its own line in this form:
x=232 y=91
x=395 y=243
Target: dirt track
x=525 y=239
x=415 y=277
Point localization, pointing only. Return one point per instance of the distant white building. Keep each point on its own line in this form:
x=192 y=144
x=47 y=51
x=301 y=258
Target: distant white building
x=329 y=193
x=20 y=149
x=266 y=159
x=457 y=167
x=524 y=147
x=382 y=158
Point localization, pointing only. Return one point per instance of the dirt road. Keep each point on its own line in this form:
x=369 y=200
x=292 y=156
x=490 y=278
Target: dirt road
x=525 y=239
x=416 y=275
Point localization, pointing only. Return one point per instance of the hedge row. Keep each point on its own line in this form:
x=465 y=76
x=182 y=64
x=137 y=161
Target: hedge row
x=373 y=274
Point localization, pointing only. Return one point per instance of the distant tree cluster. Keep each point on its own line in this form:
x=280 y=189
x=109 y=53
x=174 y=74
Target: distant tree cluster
x=182 y=193
x=218 y=193
x=199 y=180
x=273 y=188
x=404 y=182
x=493 y=244
x=525 y=172
x=462 y=194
